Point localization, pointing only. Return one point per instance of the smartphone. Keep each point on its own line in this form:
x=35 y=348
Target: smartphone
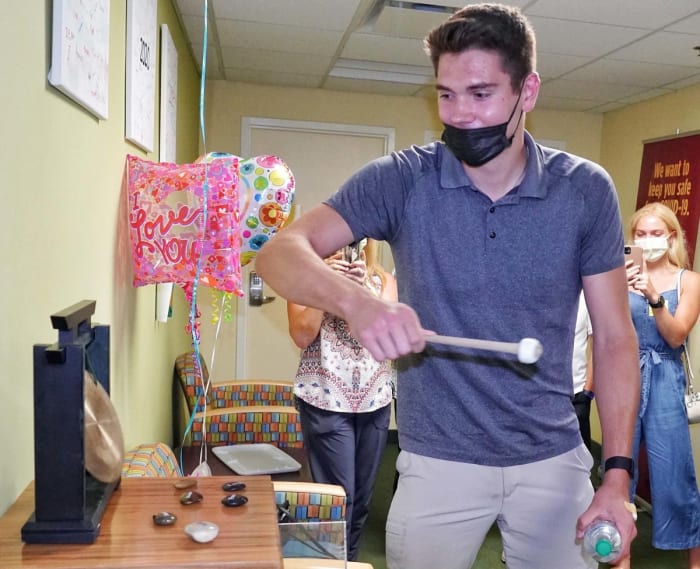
x=350 y=253
x=635 y=253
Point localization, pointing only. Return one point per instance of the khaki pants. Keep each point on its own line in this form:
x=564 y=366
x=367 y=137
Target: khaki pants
x=442 y=510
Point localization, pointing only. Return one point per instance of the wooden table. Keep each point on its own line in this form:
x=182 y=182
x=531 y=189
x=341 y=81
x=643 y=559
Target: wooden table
x=248 y=535
x=190 y=459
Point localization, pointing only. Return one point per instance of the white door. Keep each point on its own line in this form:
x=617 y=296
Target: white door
x=321 y=156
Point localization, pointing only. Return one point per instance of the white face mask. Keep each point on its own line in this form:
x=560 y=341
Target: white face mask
x=654 y=247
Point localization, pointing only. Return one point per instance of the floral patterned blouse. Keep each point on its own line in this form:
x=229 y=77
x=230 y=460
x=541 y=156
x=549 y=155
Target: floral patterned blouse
x=337 y=373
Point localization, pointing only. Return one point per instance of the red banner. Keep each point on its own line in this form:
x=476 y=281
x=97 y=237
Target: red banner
x=670 y=173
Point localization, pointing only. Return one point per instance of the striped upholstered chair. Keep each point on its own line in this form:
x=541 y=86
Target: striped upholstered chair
x=313 y=502
x=228 y=393
x=150 y=459
x=237 y=412
x=272 y=424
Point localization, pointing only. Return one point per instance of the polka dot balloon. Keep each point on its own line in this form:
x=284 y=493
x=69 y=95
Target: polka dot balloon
x=266 y=192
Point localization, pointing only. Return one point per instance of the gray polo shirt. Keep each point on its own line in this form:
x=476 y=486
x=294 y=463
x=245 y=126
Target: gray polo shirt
x=502 y=271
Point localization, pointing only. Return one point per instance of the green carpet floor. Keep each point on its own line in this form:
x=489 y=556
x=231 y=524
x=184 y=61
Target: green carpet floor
x=372 y=546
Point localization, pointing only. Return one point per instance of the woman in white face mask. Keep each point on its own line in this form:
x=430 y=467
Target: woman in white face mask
x=663 y=321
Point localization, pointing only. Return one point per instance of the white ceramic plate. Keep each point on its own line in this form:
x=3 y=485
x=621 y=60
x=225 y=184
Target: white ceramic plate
x=257 y=458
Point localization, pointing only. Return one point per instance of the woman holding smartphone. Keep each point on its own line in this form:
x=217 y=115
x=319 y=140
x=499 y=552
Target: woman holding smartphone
x=342 y=393
x=665 y=302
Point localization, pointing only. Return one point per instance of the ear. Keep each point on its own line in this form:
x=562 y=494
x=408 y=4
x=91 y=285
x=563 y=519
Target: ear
x=531 y=88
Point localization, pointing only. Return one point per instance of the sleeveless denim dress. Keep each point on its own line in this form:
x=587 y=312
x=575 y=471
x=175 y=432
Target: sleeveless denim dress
x=662 y=424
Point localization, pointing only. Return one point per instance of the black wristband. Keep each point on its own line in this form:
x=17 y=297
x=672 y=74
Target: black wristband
x=623 y=462
x=659 y=303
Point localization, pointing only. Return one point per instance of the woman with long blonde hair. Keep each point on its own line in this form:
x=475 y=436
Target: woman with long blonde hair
x=665 y=303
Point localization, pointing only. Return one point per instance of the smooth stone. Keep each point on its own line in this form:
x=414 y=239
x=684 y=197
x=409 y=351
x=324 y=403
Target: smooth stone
x=191 y=497
x=202 y=532
x=233 y=486
x=233 y=500
x=164 y=519
x=186 y=483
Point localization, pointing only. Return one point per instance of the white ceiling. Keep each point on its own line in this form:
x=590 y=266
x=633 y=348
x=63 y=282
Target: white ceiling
x=593 y=55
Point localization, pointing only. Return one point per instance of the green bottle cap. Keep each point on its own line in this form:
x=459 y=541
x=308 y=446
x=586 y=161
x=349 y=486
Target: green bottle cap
x=603 y=547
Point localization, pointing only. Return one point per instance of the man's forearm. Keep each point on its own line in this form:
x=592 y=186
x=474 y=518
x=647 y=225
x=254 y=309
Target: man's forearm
x=295 y=270
x=616 y=369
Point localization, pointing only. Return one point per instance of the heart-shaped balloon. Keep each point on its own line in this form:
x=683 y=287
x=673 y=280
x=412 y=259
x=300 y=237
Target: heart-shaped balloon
x=265 y=196
x=247 y=201
x=266 y=192
x=166 y=213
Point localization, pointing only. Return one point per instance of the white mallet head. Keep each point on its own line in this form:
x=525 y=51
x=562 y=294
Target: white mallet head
x=529 y=350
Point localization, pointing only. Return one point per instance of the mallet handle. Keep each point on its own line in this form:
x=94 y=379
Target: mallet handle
x=507 y=347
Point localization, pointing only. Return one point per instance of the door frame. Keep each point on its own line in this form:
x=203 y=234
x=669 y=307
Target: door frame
x=248 y=125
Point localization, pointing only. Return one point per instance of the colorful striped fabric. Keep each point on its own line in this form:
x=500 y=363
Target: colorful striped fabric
x=228 y=394
x=311 y=502
x=233 y=394
x=275 y=425
x=239 y=411
x=150 y=459
x=191 y=380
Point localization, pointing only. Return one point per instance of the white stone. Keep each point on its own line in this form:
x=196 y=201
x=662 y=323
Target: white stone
x=202 y=532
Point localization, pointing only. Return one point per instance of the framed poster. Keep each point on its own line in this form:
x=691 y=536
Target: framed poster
x=167 y=149
x=168 y=96
x=141 y=32
x=670 y=174
x=80 y=52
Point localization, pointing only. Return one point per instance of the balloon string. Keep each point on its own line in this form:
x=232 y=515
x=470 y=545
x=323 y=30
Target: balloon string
x=205 y=185
x=193 y=301
x=205 y=392
x=203 y=78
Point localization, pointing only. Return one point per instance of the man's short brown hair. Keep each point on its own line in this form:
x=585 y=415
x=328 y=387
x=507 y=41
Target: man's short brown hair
x=490 y=27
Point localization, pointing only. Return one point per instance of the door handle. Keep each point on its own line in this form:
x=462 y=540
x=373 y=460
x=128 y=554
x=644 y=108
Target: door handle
x=256 y=296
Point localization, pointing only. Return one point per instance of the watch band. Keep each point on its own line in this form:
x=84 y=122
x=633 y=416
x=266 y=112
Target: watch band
x=623 y=462
x=659 y=303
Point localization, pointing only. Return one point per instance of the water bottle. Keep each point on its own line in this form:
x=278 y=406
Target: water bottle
x=602 y=541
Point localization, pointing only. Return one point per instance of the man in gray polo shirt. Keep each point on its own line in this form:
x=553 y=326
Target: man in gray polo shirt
x=493 y=237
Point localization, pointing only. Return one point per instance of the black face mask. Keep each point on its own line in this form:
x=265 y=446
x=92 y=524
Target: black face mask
x=476 y=146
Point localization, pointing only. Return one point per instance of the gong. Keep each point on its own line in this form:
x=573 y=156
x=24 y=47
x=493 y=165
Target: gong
x=104 y=441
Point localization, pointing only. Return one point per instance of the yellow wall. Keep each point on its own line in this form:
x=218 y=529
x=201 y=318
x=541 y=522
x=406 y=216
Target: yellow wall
x=62 y=232
x=580 y=131
x=228 y=102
